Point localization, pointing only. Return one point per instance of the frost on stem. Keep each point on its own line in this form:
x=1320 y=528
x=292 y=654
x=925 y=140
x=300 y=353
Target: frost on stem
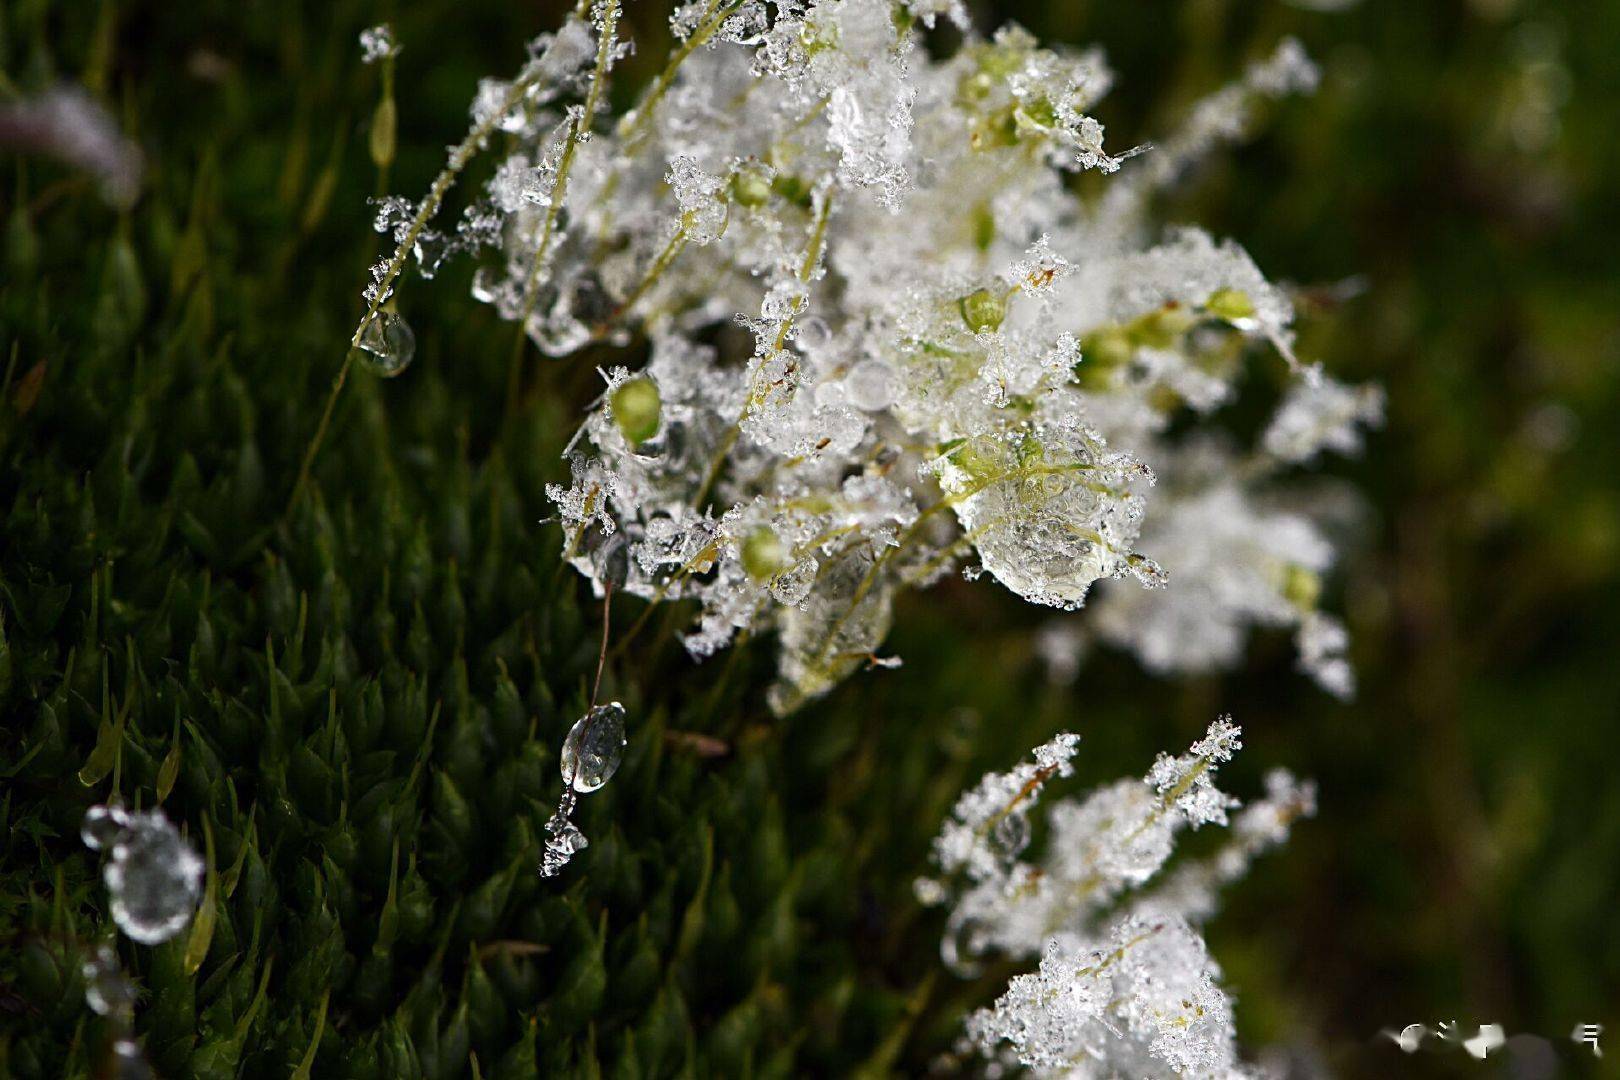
x=1125 y=985
x=955 y=362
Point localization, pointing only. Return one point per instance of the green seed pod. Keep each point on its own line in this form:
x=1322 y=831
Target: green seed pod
x=1229 y=304
x=1302 y=587
x=1160 y=329
x=1101 y=352
x=981 y=457
x=983 y=310
x=791 y=188
x=637 y=409
x=984 y=227
x=384 y=125
x=975 y=87
x=750 y=187
x=764 y=554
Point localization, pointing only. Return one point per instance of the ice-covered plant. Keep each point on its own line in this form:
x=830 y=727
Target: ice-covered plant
x=1125 y=985
x=947 y=357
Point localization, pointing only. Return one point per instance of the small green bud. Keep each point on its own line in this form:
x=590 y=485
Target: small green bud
x=1164 y=399
x=1229 y=304
x=764 y=555
x=975 y=87
x=637 y=409
x=998 y=129
x=1103 y=350
x=999 y=61
x=1041 y=113
x=750 y=187
x=1160 y=329
x=792 y=188
x=984 y=227
x=1302 y=587
x=981 y=457
x=384 y=126
x=983 y=310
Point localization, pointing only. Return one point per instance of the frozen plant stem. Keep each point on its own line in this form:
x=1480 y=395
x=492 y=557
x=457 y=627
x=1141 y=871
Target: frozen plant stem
x=383 y=288
x=807 y=269
x=577 y=133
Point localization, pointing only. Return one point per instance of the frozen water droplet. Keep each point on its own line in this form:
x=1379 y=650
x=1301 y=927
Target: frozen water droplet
x=594 y=747
x=565 y=838
x=154 y=877
x=128 y=1061
x=568 y=839
x=1012 y=833
x=387 y=344
x=106 y=989
x=101 y=827
x=871 y=385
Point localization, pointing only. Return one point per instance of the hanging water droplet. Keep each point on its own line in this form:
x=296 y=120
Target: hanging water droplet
x=594 y=747
x=154 y=878
x=128 y=1061
x=387 y=344
x=106 y=989
x=101 y=826
x=1011 y=834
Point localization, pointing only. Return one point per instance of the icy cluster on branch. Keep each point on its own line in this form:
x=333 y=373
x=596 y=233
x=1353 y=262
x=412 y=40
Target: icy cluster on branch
x=887 y=341
x=1125 y=985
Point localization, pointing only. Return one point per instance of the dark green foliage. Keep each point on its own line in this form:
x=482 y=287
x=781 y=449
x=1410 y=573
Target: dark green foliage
x=361 y=695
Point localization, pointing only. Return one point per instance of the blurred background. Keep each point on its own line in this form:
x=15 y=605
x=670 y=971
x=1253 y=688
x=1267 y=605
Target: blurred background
x=1450 y=197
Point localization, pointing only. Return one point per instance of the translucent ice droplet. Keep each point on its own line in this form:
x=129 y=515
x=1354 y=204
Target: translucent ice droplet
x=128 y=1062
x=101 y=826
x=594 y=747
x=106 y=989
x=387 y=344
x=871 y=385
x=564 y=841
x=154 y=878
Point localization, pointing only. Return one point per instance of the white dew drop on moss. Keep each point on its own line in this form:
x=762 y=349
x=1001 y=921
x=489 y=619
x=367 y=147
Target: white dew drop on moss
x=387 y=344
x=153 y=876
x=594 y=748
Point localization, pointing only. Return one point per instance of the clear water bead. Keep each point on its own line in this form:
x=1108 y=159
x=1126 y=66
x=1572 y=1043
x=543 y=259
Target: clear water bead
x=106 y=989
x=101 y=826
x=154 y=878
x=594 y=748
x=128 y=1062
x=387 y=344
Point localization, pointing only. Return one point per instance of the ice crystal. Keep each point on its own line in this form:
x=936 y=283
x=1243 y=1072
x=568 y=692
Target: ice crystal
x=153 y=876
x=377 y=43
x=1125 y=985
x=950 y=362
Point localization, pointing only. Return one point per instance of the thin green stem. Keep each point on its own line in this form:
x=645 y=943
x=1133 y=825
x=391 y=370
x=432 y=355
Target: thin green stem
x=382 y=289
x=635 y=123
